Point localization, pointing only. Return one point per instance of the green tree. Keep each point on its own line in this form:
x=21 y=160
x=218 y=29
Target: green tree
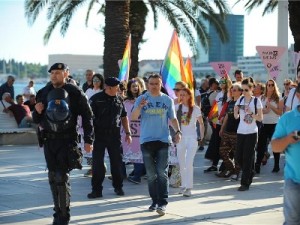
x=294 y=15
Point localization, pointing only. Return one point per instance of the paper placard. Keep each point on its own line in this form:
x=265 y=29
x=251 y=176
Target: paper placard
x=221 y=68
x=270 y=56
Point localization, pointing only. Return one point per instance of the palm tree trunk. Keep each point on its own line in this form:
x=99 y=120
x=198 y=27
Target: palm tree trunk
x=116 y=33
x=294 y=13
x=137 y=22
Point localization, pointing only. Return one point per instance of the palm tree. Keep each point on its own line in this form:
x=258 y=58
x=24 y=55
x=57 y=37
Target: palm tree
x=184 y=15
x=294 y=15
x=116 y=33
x=137 y=25
x=116 y=29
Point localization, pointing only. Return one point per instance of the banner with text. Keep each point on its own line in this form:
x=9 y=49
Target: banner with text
x=132 y=152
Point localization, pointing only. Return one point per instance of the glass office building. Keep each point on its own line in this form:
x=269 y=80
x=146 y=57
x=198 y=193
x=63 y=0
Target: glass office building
x=234 y=48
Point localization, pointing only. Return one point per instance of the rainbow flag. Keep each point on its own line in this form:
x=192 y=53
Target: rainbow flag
x=189 y=77
x=213 y=114
x=125 y=63
x=172 y=70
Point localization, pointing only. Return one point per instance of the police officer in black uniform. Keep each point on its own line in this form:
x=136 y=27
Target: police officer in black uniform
x=108 y=111
x=58 y=106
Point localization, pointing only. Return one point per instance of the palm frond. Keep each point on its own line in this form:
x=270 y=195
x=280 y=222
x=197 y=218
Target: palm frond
x=33 y=9
x=92 y=2
x=62 y=16
x=154 y=11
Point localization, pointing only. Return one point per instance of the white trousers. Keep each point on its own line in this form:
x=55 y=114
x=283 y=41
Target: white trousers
x=186 y=151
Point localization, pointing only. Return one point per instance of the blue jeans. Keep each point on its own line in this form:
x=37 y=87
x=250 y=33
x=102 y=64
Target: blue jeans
x=291 y=202
x=156 y=164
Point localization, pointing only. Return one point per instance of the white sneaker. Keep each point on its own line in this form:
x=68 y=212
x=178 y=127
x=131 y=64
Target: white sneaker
x=182 y=190
x=187 y=192
x=234 y=177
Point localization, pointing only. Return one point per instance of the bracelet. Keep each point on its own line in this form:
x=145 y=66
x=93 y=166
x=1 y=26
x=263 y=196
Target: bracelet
x=128 y=133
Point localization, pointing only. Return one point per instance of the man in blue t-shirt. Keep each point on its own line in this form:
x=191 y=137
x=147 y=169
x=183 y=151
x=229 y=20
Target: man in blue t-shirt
x=286 y=138
x=156 y=109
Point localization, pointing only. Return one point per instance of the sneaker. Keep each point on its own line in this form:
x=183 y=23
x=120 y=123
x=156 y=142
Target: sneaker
x=243 y=188
x=187 y=192
x=201 y=148
x=152 y=207
x=182 y=190
x=235 y=177
x=134 y=180
x=94 y=194
x=161 y=210
x=119 y=191
x=211 y=169
x=88 y=173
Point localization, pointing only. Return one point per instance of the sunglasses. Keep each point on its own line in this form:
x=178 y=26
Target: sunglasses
x=246 y=90
x=96 y=81
x=271 y=85
x=176 y=89
x=286 y=84
x=222 y=82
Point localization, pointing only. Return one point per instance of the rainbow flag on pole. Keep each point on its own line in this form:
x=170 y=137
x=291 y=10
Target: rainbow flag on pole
x=125 y=64
x=189 y=74
x=172 y=69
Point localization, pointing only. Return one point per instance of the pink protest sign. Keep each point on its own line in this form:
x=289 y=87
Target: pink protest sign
x=274 y=71
x=270 y=55
x=221 y=68
x=296 y=58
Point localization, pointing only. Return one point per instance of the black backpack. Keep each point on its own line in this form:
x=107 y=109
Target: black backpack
x=205 y=103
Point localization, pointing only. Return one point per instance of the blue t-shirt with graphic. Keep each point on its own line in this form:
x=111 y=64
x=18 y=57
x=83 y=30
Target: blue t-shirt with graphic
x=155 y=117
x=288 y=123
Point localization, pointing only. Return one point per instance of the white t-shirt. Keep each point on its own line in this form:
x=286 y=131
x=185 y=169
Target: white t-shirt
x=247 y=127
x=189 y=129
x=292 y=100
x=90 y=92
x=271 y=117
x=28 y=91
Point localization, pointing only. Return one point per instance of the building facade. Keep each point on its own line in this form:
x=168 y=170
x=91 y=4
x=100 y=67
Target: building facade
x=234 y=48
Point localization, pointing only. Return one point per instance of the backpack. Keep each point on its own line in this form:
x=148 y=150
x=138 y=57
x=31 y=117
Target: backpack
x=205 y=103
x=258 y=123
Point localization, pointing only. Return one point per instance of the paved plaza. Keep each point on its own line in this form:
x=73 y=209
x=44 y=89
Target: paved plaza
x=25 y=196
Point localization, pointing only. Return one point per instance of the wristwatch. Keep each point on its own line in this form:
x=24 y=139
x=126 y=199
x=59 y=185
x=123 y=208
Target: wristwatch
x=128 y=133
x=178 y=132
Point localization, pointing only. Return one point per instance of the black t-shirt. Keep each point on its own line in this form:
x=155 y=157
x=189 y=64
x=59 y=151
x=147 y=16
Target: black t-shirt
x=108 y=111
x=232 y=123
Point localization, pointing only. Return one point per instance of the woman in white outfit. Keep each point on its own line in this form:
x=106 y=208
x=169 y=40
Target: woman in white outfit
x=189 y=113
x=98 y=84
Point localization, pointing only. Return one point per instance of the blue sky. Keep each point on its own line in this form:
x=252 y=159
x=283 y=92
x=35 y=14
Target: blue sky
x=25 y=43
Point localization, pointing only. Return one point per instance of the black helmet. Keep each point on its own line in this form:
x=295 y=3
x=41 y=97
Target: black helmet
x=58 y=107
